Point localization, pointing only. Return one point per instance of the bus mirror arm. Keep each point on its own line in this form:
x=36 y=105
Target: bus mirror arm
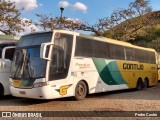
x=44 y=50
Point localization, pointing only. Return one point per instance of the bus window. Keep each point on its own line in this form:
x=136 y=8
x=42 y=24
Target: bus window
x=117 y=52
x=84 y=47
x=61 y=56
x=102 y=49
x=130 y=54
x=151 y=57
x=9 y=53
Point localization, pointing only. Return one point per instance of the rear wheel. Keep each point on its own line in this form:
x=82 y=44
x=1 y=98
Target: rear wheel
x=80 y=91
x=146 y=83
x=1 y=90
x=139 y=84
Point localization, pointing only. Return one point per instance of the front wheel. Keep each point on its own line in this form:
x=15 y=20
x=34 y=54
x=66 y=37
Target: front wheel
x=80 y=91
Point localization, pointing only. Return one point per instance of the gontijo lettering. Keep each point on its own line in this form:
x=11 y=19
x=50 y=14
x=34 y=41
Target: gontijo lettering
x=128 y=66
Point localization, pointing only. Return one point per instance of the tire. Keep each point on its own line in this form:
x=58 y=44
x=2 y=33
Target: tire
x=139 y=85
x=80 y=90
x=1 y=90
x=145 y=83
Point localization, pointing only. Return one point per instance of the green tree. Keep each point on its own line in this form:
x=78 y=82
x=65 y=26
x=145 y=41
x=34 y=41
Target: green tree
x=49 y=22
x=150 y=38
x=127 y=24
x=10 y=21
x=123 y=24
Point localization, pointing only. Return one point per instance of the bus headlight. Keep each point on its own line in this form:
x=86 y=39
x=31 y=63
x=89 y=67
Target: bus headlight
x=40 y=84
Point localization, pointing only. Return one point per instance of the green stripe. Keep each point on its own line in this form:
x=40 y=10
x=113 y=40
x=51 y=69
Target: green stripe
x=109 y=71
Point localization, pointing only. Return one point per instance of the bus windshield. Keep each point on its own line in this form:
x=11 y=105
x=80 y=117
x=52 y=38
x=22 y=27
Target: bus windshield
x=27 y=63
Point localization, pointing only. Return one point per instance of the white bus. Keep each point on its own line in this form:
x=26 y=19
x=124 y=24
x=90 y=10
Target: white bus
x=62 y=63
x=6 y=56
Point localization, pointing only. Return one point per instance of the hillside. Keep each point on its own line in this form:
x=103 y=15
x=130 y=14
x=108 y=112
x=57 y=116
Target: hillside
x=143 y=30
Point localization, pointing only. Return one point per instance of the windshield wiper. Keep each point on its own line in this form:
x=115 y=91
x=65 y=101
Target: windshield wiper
x=30 y=69
x=19 y=66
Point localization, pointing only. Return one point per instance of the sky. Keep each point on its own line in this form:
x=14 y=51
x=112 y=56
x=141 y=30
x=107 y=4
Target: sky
x=88 y=11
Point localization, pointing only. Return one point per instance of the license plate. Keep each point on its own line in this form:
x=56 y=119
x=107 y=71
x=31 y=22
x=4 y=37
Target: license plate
x=22 y=92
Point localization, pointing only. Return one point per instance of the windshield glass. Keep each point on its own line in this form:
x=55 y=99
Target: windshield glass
x=34 y=39
x=27 y=63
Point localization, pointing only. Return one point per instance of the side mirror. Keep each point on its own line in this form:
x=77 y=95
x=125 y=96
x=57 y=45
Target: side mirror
x=44 y=50
x=7 y=52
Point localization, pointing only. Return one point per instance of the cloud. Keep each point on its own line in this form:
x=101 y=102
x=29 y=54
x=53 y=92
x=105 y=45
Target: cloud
x=1 y=33
x=63 y=4
x=80 y=6
x=75 y=20
x=75 y=7
x=28 y=5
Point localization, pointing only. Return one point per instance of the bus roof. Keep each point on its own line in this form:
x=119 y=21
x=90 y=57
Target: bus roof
x=104 y=39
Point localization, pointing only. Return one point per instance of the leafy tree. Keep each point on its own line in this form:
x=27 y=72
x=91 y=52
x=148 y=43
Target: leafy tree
x=48 y=22
x=123 y=24
x=10 y=21
x=151 y=38
x=126 y=23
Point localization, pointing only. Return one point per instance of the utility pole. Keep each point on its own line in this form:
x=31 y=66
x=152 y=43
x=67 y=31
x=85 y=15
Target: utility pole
x=61 y=19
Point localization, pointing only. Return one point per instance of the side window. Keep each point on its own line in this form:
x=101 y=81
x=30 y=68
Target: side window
x=84 y=47
x=102 y=49
x=61 y=57
x=117 y=52
x=151 y=57
x=141 y=56
x=129 y=54
x=1 y=48
x=1 y=52
x=9 y=53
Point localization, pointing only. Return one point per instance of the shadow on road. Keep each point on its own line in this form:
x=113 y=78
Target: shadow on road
x=152 y=93
x=16 y=101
